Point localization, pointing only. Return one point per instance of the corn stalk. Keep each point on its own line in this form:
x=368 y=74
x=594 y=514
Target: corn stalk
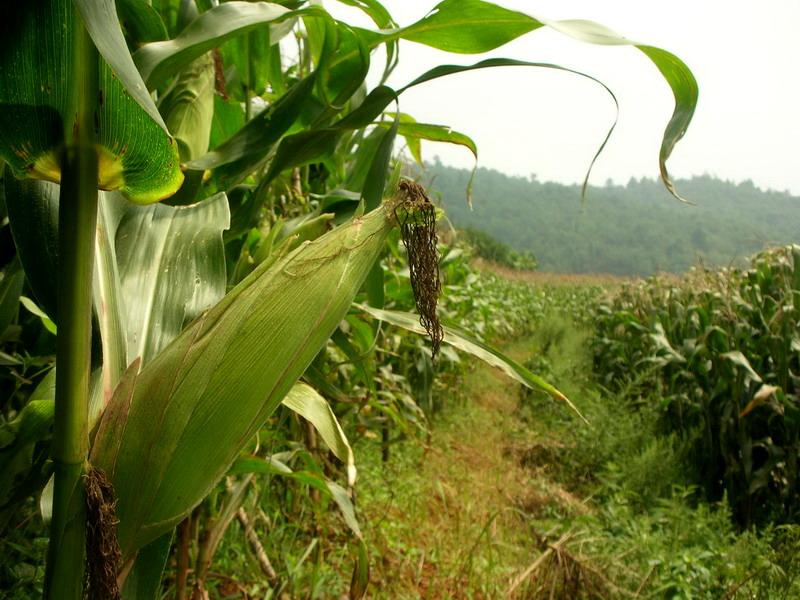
x=77 y=218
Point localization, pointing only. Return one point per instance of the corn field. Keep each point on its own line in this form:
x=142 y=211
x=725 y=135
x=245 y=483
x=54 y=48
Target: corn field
x=215 y=276
x=718 y=352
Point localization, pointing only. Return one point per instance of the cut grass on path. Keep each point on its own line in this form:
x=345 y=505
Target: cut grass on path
x=451 y=519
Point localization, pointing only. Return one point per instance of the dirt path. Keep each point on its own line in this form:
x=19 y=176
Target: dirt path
x=453 y=520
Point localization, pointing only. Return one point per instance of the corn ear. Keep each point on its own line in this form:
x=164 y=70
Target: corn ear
x=171 y=431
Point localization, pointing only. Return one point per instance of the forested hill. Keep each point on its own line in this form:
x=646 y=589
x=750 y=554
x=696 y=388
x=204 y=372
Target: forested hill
x=636 y=229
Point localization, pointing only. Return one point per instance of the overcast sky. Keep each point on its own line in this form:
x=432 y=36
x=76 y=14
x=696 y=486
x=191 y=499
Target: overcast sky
x=744 y=55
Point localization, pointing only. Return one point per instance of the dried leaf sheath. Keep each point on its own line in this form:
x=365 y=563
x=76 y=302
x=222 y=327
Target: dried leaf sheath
x=103 y=555
x=417 y=218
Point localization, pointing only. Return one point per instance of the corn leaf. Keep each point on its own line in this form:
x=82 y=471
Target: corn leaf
x=307 y=402
x=331 y=489
x=33 y=207
x=312 y=146
x=464 y=341
x=12 y=278
x=136 y=156
x=475 y=26
x=159 y=61
x=158 y=268
x=144 y=580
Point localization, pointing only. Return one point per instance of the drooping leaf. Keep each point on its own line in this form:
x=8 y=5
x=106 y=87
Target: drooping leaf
x=474 y=26
x=437 y=133
x=307 y=402
x=761 y=396
x=445 y=70
x=331 y=489
x=440 y=133
x=102 y=22
x=12 y=278
x=740 y=360
x=136 y=155
x=33 y=207
x=464 y=341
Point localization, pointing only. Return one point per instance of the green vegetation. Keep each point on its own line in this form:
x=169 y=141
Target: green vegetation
x=642 y=526
x=631 y=229
x=489 y=248
x=204 y=298
x=716 y=354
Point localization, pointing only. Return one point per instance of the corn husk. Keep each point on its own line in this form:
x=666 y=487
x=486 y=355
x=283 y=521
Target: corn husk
x=171 y=431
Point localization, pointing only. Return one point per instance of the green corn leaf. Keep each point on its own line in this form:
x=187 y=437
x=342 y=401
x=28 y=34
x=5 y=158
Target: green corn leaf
x=307 y=402
x=223 y=376
x=31 y=307
x=383 y=20
x=475 y=26
x=250 y=145
x=102 y=22
x=467 y=27
x=464 y=341
x=375 y=182
x=141 y=22
x=444 y=70
x=376 y=294
x=19 y=474
x=330 y=489
x=439 y=133
x=188 y=107
x=159 y=61
x=33 y=207
x=12 y=278
x=677 y=75
x=136 y=155
x=158 y=268
x=144 y=580
x=312 y=146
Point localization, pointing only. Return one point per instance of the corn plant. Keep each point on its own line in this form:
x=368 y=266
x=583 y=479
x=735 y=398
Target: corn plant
x=193 y=319
x=719 y=352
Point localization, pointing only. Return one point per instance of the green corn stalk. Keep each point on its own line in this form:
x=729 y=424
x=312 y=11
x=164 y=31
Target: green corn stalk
x=77 y=218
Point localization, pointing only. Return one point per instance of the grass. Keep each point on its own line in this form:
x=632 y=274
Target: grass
x=443 y=519
x=511 y=493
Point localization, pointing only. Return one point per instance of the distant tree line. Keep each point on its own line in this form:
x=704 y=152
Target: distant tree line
x=635 y=229
x=492 y=249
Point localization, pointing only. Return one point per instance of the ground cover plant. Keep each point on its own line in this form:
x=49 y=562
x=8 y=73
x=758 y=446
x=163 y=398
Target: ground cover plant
x=200 y=208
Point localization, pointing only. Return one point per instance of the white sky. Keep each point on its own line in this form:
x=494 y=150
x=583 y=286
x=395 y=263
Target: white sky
x=744 y=55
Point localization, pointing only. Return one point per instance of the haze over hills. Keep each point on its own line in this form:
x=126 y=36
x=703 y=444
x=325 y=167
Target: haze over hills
x=635 y=229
